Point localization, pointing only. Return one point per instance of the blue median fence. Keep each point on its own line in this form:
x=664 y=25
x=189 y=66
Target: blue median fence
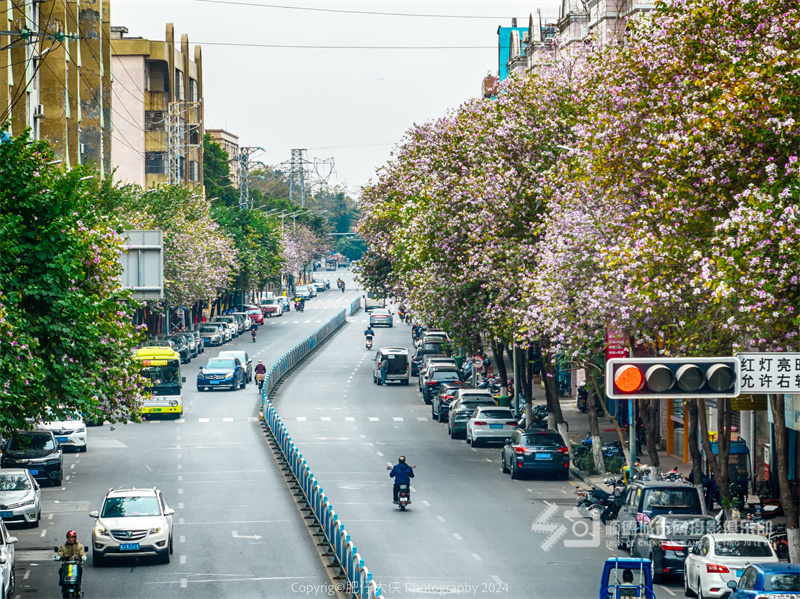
x=355 y=306
x=359 y=579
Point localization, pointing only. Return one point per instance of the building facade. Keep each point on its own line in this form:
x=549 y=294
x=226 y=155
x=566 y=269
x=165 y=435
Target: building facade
x=55 y=76
x=230 y=143
x=158 y=93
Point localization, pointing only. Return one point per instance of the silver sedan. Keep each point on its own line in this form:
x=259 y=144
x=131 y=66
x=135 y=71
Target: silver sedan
x=20 y=497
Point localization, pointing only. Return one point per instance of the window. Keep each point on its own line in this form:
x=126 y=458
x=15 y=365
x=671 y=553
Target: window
x=179 y=83
x=194 y=90
x=154 y=120
x=194 y=171
x=748 y=580
x=155 y=163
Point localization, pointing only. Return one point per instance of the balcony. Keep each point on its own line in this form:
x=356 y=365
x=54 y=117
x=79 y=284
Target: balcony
x=156 y=101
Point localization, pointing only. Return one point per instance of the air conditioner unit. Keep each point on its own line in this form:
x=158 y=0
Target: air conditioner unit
x=38 y=111
x=82 y=148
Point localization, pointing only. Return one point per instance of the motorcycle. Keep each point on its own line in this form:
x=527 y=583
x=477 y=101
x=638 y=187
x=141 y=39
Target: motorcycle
x=70 y=575
x=403 y=497
x=369 y=342
x=298 y=306
x=253 y=333
x=602 y=505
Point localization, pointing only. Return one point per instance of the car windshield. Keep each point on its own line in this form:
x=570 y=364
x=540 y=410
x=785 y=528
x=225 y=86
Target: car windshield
x=542 y=440
x=123 y=507
x=506 y=414
x=14 y=482
x=743 y=548
x=32 y=442
x=690 y=527
x=670 y=499
x=788 y=581
x=444 y=375
x=475 y=397
x=220 y=363
x=239 y=355
x=208 y=329
x=254 y=312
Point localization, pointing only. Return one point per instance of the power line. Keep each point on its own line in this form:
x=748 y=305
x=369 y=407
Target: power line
x=312 y=47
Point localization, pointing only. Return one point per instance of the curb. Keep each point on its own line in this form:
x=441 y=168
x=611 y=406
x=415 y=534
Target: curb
x=580 y=475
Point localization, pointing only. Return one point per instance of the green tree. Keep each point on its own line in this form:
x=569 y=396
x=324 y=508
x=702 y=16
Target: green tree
x=216 y=173
x=66 y=331
x=352 y=247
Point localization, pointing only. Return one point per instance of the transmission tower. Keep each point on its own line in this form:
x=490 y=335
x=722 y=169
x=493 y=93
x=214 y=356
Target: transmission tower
x=245 y=165
x=297 y=177
x=182 y=119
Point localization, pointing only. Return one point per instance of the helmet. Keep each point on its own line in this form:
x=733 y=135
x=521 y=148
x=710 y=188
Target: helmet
x=71 y=533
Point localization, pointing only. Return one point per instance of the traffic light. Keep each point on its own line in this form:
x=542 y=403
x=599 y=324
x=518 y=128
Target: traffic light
x=641 y=378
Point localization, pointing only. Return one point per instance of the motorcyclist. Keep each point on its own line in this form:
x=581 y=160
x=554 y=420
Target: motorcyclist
x=71 y=549
x=260 y=369
x=402 y=474
x=368 y=335
x=254 y=332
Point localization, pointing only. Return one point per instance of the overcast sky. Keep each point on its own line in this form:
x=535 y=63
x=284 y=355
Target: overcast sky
x=369 y=70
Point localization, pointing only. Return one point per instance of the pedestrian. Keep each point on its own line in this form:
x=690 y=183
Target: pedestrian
x=384 y=368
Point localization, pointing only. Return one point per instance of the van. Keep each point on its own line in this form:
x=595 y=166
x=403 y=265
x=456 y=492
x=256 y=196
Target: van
x=372 y=301
x=399 y=367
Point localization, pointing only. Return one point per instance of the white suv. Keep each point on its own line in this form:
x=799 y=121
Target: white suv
x=69 y=432
x=132 y=522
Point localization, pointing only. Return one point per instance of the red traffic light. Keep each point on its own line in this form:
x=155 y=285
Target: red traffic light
x=636 y=378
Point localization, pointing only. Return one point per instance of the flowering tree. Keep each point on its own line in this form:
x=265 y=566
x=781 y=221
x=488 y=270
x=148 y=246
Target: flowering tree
x=300 y=246
x=66 y=332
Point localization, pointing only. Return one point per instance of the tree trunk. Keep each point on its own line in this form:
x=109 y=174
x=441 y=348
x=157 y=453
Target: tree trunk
x=690 y=428
x=594 y=426
x=648 y=410
x=555 y=418
x=497 y=353
x=714 y=461
x=777 y=403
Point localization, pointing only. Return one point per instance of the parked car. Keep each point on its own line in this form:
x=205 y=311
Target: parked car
x=20 y=498
x=132 y=522
x=381 y=316
x=319 y=284
x=722 y=558
x=644 y=500
x=434 y=379
x=211 y=335
x=182 y=347
x=285 y=303
x=245 y=323
x=430 y=349
x=69 y=431
x=37 y=451
x=256 y=316
x=191 y=342
x=536 y=452
x=161 y=342
x=461 y=410
x=8 y=564
x=303 y=291
x=222 y=372
x=489 y=424
x=398 y=365
x=440 y=404
x=225 y=329
x=231 y=321
x=766 y=581
x=666 y=541
x=273 y=306
x=244 y=358
x=201 y=346
x=430 y=361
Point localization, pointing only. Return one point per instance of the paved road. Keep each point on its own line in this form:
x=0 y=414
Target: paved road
x=237 y=530
x=469 y=528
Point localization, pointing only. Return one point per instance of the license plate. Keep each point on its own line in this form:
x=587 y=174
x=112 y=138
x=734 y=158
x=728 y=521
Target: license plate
x=542 y=456
x=215 y=382
x=129 y=547
x=62 y=439
x=739 y=573
x=6 y=514
x=33 y=472
x=495 y=426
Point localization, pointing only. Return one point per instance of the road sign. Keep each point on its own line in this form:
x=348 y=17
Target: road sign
x=477 y=362
x=769 y=372
x=667 y=378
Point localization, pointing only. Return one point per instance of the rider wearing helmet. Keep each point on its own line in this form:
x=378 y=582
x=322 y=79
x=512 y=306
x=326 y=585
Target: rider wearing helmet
x=72 y=548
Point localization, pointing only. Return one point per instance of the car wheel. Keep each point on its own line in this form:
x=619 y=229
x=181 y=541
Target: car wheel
x=514 y=471
x=467 y=438
x=97 y=560
x=433 y=414
x=503 y=467
x=35 y=523
x=171 y=548
x=450 y=431
x=84 y=448
x=164 y=557
x=565 y=475
x=699 y=589
x=199 y=389
x=687 y=592
x=12 y=583
x=620 y=543
x=57 y=482
x=475 y=442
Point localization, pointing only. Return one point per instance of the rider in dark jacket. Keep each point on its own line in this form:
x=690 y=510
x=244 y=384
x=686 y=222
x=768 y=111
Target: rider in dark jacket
x=402 y=474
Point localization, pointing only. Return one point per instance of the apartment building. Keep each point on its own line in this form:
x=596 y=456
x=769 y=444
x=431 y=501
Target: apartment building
x=55 y=76
x=158 y=94
x=230 y=143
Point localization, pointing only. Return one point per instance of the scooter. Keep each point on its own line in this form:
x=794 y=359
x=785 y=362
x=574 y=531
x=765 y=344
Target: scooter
x=403 y=497
x=70 y=576
x=254 y=333
x=369 y=342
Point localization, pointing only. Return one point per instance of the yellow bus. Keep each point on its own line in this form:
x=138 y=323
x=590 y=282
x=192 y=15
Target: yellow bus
x=161 y=366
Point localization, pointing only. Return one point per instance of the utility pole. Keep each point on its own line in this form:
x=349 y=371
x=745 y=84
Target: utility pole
x=182 y=118
x=245 y=165
x=297 y=177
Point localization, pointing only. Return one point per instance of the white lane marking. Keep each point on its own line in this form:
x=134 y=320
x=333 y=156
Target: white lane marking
x=179 y=456
x=570 y=518
x=181 y=420
x=374 y=419
x=227 y=420
x=397 y=418
x=180 y=491
x=72 y=465
x=457 y=537
x=27 y=574
x=669 y=591
x=44 y=532
x=473 y=449
x=66 y=477
x=180 y=506
x=180 y=466
x=181 y=521
x=440 y=519
x=379 y=453
x=301 y=419
x=252 y=418
x=180 y=478
x=325 y=418
x=350 y=419
x=413 y=490
x=50 y=516
x=422 y=419
x=425 y=503
x=497 y=579
x=363 y=436
x=476 y=557
x=203 y=420
x=488 y=460
x=183 y=559
x=184 y=583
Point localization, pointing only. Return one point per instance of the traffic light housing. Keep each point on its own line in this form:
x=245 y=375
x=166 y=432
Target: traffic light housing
x=667 y=378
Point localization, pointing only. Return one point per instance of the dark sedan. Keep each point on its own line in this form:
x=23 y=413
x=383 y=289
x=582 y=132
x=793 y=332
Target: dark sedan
x=182 y=347
x=37 y=451
x=667 y=540
x=429 y=349
x=440 y=405
x=222 y=372
x=436 y=379
x=537 y=452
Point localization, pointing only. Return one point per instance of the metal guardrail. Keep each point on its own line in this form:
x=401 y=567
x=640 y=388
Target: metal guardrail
x=359 y=579
x=355 y=306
